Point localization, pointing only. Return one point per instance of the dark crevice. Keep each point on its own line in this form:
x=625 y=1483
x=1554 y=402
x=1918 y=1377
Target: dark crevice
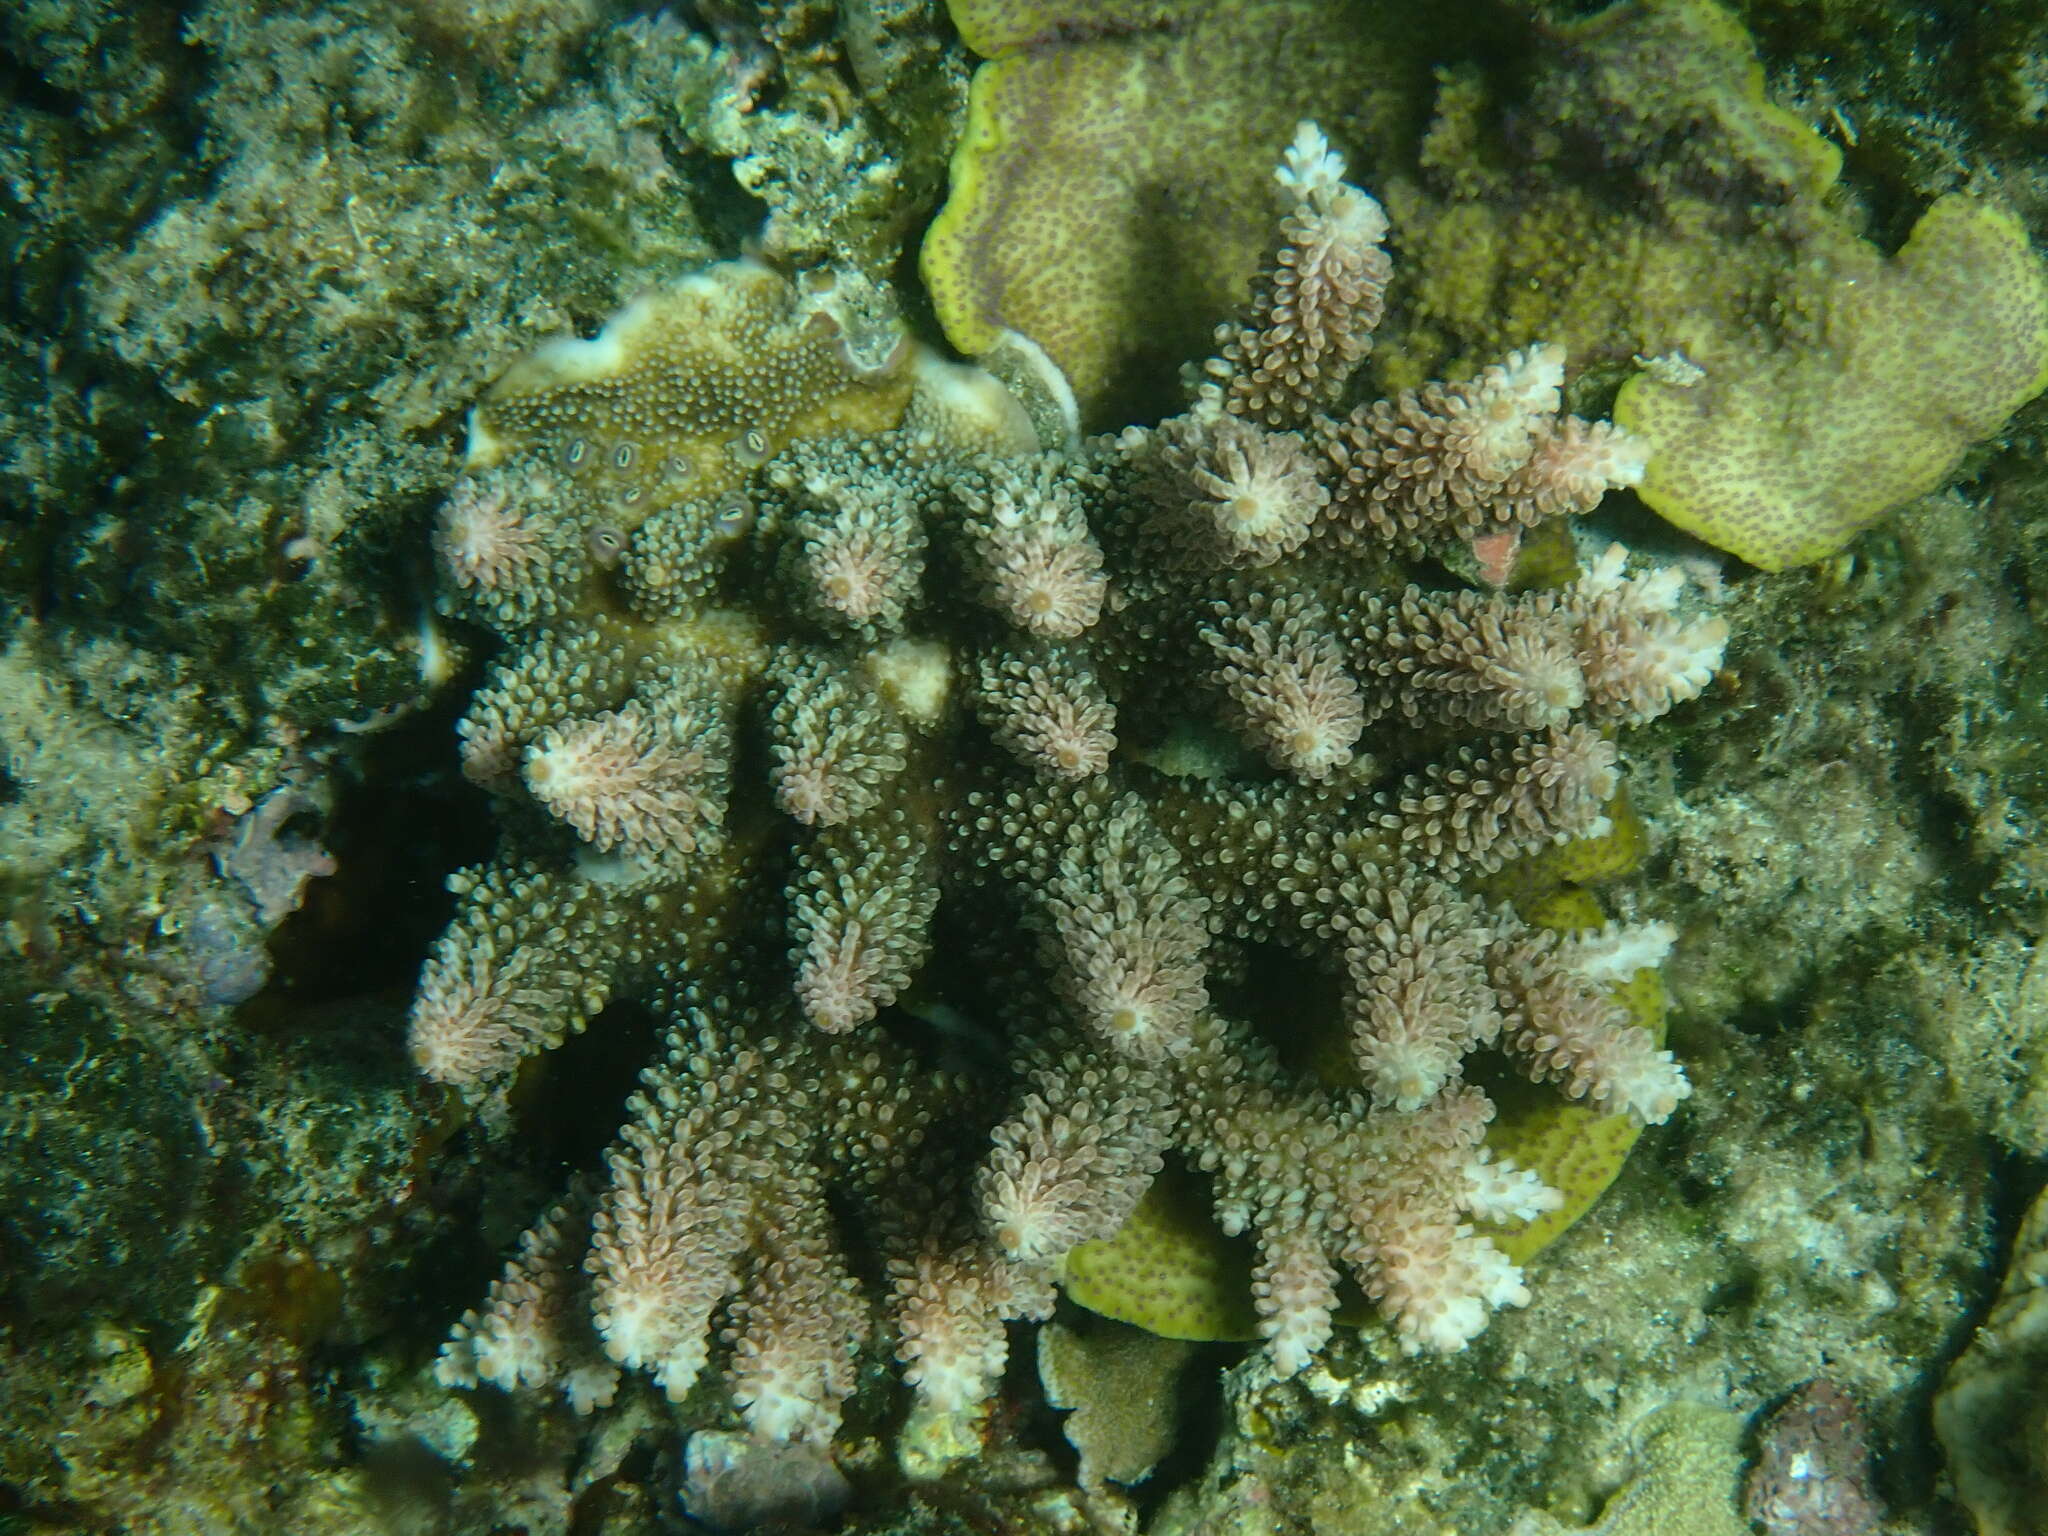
x=29 y=88
x=404 y=820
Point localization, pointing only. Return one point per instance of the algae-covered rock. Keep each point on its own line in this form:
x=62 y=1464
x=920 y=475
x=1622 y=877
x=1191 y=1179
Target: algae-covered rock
x=1633 y=176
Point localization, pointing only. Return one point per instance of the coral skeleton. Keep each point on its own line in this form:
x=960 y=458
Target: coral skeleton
x=948 y=795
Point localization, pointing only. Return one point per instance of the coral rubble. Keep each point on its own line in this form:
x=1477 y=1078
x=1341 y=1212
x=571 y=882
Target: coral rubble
x=1000 y=826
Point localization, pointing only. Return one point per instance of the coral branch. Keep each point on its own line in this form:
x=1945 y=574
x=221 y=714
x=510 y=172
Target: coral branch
x=1284 y=676
x=1317 y=304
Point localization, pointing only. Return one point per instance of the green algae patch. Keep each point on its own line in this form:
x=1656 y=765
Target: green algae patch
x=1782 y=457
x=1113 y=192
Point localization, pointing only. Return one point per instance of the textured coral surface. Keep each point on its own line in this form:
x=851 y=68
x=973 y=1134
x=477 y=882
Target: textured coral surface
x=1784 y=459
x=1098 y=137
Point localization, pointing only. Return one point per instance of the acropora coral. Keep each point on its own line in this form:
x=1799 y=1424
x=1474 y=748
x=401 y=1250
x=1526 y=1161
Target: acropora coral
x=1001 y=825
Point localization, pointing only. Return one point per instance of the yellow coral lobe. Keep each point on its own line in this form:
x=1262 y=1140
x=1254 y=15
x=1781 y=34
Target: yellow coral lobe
x=1168 y=1269
x=688 y=390
x=943 y=261
x=1781 y=457
x=1112 y=191
x=1583 y=861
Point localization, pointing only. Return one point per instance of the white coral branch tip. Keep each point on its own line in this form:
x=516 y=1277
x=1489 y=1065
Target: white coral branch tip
x=1309 y=167
x=1613 y=953
x=1499 y=1190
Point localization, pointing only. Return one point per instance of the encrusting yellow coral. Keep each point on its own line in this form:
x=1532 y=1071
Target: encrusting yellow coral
x=1099 y=135
x=1783 y=457
x=953 y=798
x=1636 y=194
x=1688 y=1466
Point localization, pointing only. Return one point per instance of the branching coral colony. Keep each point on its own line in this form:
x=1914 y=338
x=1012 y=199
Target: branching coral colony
x=833 y=703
